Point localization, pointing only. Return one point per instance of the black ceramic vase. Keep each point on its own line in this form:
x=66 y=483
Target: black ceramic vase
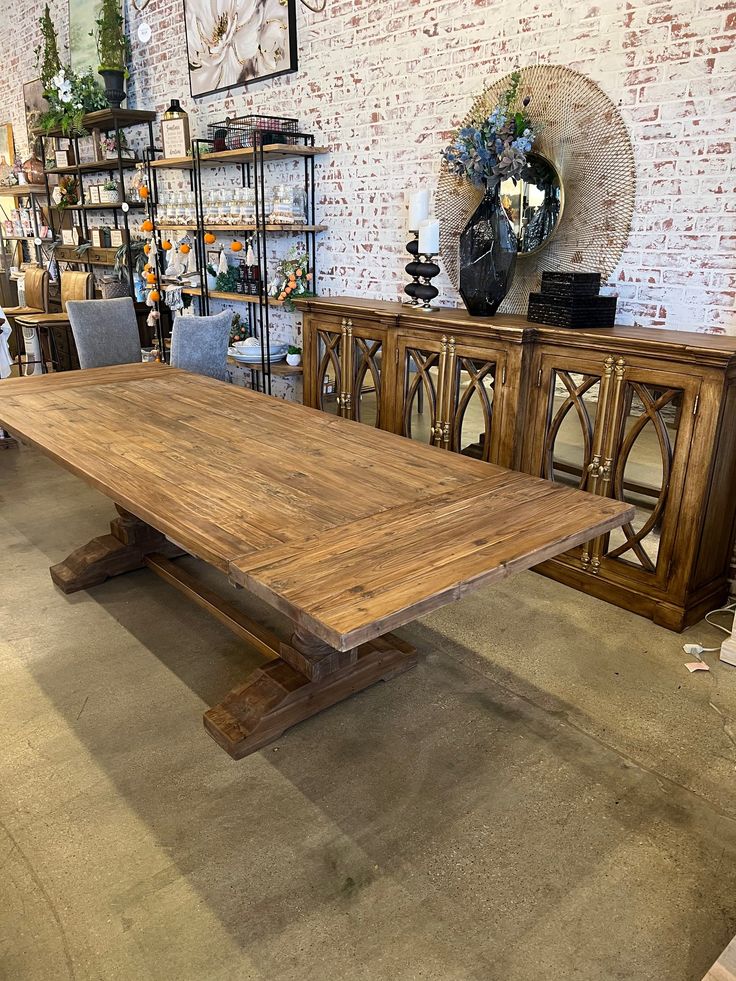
x=114 y=87
x=487 y=256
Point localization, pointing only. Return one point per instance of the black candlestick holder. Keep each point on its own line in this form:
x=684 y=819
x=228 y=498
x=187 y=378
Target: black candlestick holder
x=412 y=269
x=426 y=269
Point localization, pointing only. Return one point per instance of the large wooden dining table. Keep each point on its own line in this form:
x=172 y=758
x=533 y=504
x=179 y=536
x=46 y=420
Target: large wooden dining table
x=350 y=531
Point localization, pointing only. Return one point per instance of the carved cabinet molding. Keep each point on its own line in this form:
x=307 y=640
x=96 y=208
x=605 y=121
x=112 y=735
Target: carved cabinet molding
x=643 y=415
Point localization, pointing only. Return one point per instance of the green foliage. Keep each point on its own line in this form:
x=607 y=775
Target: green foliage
x=47 y=53
x=113 y=46
x=70 y=97
x=111 y=185
x=138 y=256
x=228 y=282
x=293 y=349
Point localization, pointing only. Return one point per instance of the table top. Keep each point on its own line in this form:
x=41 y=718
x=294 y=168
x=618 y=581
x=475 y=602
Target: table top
x=349 y=530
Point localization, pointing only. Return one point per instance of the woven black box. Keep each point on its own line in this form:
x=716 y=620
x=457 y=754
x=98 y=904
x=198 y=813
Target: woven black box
x=586 y=311
x=571 y=284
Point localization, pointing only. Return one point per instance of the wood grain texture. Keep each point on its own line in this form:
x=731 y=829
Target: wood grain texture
x=724 y=968
x=349 y=529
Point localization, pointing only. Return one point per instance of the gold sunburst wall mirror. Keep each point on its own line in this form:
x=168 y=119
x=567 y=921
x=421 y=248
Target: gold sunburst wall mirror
x=572 y=209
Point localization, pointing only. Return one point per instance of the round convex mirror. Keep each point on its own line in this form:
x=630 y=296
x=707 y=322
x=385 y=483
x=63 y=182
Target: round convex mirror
x=534 y=203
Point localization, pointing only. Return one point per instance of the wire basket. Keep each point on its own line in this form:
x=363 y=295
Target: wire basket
x=248 y=131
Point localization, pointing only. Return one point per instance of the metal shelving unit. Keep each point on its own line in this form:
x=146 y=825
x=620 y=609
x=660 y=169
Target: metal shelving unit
x=107 y=121
x=252 y=161
x=33 y=192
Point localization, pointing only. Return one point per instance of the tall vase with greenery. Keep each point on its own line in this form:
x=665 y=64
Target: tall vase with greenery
x=69 y=95
x=486 y=152
x=113 y=50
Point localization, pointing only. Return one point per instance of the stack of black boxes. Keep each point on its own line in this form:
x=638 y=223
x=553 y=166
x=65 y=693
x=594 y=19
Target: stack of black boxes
x=572 y=300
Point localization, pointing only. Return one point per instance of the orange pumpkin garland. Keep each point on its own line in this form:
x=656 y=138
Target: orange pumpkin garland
x=154 y=296
x=166 y=245
x=209 y=238
x=147 y=225
x=236 y=246
x=185 y=249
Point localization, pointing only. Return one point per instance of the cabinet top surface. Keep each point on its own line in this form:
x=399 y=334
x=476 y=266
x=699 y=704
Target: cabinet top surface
x=349 y=530
x=720 y=346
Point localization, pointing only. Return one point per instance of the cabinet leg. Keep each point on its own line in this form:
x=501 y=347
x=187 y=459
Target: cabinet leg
x=123 y=550
x=307 y=677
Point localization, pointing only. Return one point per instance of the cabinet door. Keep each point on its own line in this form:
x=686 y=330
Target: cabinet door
x=568 y=416
x=365 y=349
x=473 y=412
x=328 y=384
x=652 y=420
x=422 y=363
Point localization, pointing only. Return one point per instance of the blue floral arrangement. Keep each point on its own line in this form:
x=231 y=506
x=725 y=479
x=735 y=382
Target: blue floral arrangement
x=495 y=148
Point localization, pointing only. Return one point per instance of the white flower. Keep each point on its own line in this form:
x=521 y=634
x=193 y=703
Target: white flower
x=231 y=41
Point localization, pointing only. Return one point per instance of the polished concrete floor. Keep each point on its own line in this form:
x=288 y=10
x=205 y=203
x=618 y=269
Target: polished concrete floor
x=548 y=795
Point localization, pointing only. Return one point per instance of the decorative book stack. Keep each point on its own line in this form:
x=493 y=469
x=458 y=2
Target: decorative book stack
x=573 y=300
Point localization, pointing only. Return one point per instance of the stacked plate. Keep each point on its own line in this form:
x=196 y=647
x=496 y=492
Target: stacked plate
x=252 y=355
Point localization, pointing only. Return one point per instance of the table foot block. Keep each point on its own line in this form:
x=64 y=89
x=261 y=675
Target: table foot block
x=8 y=443
x=101 y=559
x=277 y=696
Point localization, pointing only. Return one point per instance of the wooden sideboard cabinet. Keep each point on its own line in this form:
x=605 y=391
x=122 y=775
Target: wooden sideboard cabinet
x=643 y=415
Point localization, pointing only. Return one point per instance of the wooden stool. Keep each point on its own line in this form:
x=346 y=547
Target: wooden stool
x=36 y=287
x=74 y=286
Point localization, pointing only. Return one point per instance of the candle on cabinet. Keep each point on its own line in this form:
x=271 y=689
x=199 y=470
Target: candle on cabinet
x=418 y=208
x=429 y=237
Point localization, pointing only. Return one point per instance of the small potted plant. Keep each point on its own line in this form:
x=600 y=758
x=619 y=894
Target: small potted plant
x=211 y=277
x=294 y=356
x=110 y=192
x=113 y=51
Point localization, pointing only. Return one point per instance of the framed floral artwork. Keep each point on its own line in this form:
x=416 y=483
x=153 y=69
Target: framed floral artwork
x=231 y=43
x=7 y=149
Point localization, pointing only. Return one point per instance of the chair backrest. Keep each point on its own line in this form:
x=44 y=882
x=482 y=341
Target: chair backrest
x=199 y=344
x=36 y=289
x=105 y=331
x=76 y=286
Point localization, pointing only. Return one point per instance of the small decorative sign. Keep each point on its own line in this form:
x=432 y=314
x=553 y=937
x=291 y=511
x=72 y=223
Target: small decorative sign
x=93 y=193
x=118 y=237
x=70 y=236
x=175 y=137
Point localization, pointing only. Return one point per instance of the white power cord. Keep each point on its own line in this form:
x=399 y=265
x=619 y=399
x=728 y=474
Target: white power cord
x=698 y=649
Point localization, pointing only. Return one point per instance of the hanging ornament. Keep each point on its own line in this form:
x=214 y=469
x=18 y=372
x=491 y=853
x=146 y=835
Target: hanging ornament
x=209 y=238
x=185 y=248
x=151 y=277
x=250 y=259
x=166 y=245
x=147 y=225
x=143 y=191
x=192 y=262
x=154 y=296
x=153 y=316
x=236 y=246
x=222 y=266
x=147 y=249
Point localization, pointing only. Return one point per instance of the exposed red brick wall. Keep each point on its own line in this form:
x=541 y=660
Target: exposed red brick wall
x=384 y=81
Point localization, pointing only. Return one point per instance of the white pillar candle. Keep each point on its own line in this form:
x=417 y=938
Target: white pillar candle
x=418 y=208
x=429 y=237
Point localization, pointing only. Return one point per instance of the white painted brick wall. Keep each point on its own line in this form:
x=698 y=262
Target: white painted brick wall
x=383 y=83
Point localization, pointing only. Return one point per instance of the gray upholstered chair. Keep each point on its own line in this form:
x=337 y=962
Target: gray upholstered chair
x=199 y=344
x=105 y=331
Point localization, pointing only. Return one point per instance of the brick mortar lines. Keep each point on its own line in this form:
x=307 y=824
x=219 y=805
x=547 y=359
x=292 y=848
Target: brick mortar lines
x=383 y=82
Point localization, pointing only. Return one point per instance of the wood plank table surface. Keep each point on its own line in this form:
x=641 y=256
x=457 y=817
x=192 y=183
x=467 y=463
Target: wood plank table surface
x=349 y=530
